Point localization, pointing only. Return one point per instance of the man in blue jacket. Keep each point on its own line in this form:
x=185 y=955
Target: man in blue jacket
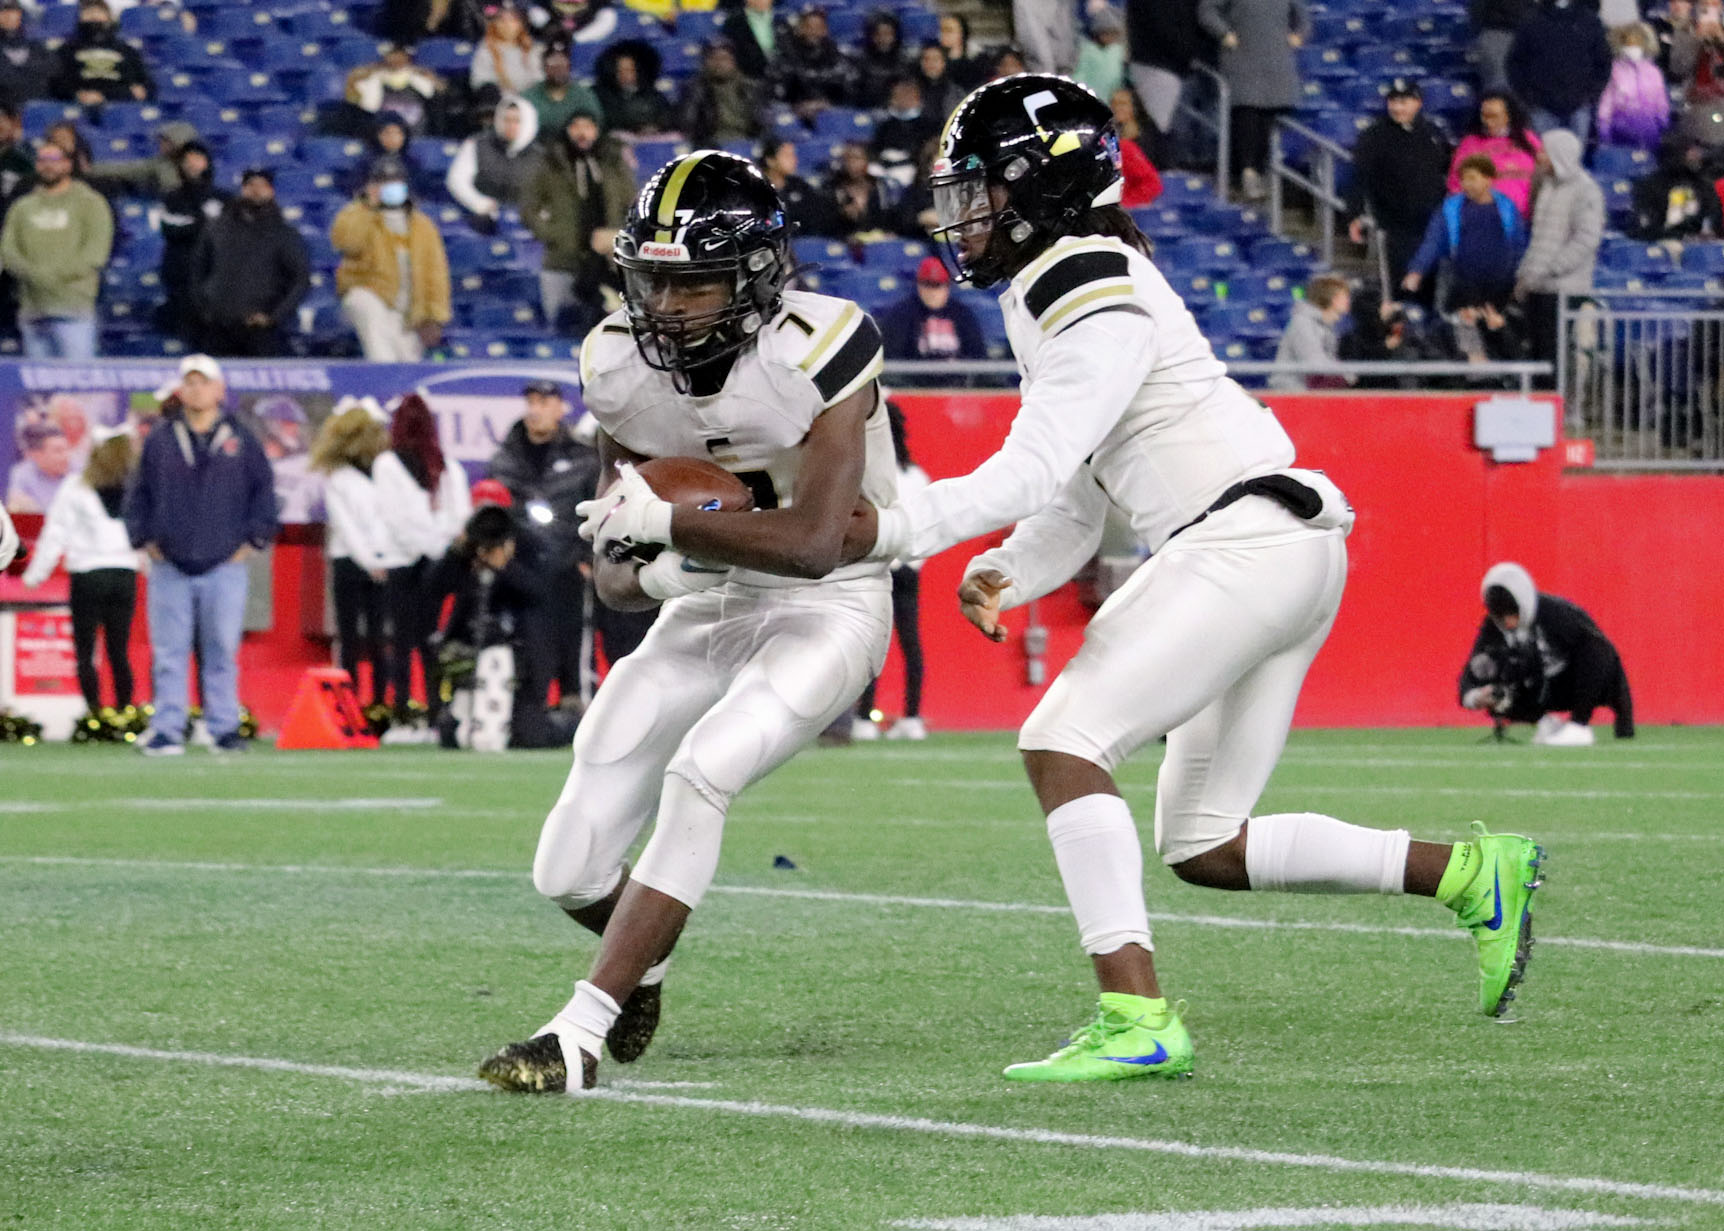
x=203 y=501
x=1480 y=232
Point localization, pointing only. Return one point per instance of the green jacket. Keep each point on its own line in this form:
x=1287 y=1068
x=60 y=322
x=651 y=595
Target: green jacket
x=56 y=245
x=562 y=216
x=554 y=114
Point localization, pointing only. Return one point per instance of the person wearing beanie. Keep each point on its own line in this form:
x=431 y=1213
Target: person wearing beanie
x=186 y=211
x=574 y=204
x=1401 y=167
x=559 y=95
x=1101 y=56
x=96 y=66
x=250 y=272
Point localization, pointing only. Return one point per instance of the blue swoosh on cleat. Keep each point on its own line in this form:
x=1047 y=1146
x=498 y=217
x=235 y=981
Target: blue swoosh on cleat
x=1154 y=1057
x=1496 y=920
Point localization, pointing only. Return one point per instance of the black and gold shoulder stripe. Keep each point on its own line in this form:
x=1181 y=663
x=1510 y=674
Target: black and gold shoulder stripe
x=1076 y=282
x=846 y=357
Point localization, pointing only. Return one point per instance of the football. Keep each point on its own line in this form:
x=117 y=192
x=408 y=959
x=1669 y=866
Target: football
x=696 y=481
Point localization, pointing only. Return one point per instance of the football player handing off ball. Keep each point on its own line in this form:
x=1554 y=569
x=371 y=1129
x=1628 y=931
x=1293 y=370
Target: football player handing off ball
x=765 y=637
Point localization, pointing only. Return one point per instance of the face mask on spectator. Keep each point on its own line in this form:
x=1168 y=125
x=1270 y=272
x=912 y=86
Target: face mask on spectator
x=1634 y=53
x=392 y=195
x=89 y=31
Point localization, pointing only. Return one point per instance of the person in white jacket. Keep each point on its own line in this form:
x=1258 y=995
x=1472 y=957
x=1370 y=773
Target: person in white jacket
x=492 y=169
x=84 y=526
x=424 y=502
x=357 y=540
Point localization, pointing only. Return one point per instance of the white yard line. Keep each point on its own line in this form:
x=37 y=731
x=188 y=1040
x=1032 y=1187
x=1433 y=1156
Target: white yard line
x=1462 y=1216
x=400 y=1080
x=868 y=899
x=1471 y=792
x=151 y=803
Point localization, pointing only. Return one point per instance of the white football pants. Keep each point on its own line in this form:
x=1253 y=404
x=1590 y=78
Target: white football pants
x=726 y=687
x=1208 y=644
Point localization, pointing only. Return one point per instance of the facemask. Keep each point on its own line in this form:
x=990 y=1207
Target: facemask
x=398 y=79
x=1634 y=54
x=906 y=113
x=88 y=31
x=393 y=195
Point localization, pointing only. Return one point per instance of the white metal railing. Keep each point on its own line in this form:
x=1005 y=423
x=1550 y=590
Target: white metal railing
x=1328 y=157
x=1220 y=125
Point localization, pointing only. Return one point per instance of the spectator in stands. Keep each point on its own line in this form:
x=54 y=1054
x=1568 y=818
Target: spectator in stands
x=1046 y=32
x=390 y=138
x=507 y=60
x=906 y=126
x=930 y=324
x=811 y=73
x=1101 y=56
x=17 y=177
x=1383 y=331
x=574 y=205
x=881 y=60
x=1676 y=19
x=1008 y=61
x=36 y=477
x=574 y=21
x=1311 y=335
x=1142 y=180
x=1480 y=233
x=1697 y=56
x=152 y=177
x=27 y=67
x=807 y=208
x=84 y=527
x=1486 y=333
x=1559 y=65
x=249 y=273
x=1494 y=24
x=1500 y=132
x=56 y=241
x=185 y=212
x=624 y=80
x=357 y=541
x=962 y=64
x=492 y=169
x=1634 y=109
x=426 y=504
x=548 y=471
x=394 y=275
x=203 y=502
x=71 y=141
x=941 y=92
x=915 y=215
x=1163 y=40
x=719 y=104
x=1400 y=172
x=559 y=95
x=1567 y=227
x=1680 y=199
x=397 y=84
x=1258 y=40
x=95 y=66
x=857 y=193
x=755 y=33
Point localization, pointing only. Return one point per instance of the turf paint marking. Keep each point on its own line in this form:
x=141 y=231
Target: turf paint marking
x=1462 y=1217
x=302 y=804
x=1469 y=792
x=870 y=899
x=613 y=1092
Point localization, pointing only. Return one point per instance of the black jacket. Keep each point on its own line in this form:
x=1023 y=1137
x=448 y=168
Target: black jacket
x=484 y=614
x=1677 y=202
x=751 y=58
x=27 y=69
x=248 y=262
x=1560 y=59
x=1401 y=174
x=186 y=211
x=559 y=478
x=1497 y=14
x=1567 y=653
x=806 y=72
x=1166 y=34
x=104 y=64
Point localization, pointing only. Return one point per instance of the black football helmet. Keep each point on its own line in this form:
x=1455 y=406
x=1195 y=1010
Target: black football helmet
x=1042 y=142
x=704 y=254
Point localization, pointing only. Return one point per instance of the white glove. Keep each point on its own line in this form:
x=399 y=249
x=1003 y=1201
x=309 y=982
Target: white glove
x=672 y=575
x=891 y=534
x=627 y=516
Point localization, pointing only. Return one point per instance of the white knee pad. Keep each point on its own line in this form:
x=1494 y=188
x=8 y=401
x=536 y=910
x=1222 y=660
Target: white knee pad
x=571 y=880
x=681 y=857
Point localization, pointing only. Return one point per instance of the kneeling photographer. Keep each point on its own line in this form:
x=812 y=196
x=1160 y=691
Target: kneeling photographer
x=1538 y=657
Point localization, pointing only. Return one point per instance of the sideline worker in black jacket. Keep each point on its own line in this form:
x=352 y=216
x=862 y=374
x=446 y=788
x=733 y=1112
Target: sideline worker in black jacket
x=249 y=273
x=1537 y=657
x=1401 y=170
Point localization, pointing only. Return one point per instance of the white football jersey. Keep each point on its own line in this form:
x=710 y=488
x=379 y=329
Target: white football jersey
x=815 y=352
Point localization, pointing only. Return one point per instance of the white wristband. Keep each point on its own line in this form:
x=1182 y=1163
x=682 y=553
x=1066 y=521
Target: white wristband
x=891 y=534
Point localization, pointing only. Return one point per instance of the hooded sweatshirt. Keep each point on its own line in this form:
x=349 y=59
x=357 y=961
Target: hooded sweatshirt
x=489 y=173
x=1308 y=338
x=1567 y=223
x=155 y=176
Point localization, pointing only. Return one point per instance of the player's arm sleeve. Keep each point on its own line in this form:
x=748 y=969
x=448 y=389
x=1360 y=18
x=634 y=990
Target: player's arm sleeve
x=1049 y=547
x=844 y=357
x=1084 y=379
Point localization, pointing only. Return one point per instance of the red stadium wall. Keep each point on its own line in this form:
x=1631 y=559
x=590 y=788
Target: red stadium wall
x=1434 y=513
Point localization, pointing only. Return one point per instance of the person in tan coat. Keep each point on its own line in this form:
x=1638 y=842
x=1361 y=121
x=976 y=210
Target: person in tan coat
x=394 y=275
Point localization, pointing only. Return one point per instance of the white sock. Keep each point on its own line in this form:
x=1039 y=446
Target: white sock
x=583 y=1023
x=655 y=974
x=1101 y=863
x=1302 y=852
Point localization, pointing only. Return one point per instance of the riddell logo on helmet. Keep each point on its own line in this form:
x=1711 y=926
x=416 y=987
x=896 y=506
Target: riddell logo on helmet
x=664 y=252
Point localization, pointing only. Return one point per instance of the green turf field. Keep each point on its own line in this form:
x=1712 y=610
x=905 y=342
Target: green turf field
x=252 y=993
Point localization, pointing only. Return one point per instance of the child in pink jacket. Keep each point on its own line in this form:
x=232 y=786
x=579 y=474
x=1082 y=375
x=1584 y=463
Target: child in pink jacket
x=1634 y=109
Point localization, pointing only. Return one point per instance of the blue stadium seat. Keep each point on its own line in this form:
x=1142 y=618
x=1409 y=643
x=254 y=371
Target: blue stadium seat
x=1703 y=258
x=893 y=254
x=144 y=20
x=1179 y=189
x=651 y=155
x=287 y=55
x=845 y=26
x=1160 y=222
x=348 y=54
x=1611 y=161
x=1281 y=255
x=1383 y=60
x=332 y=153
x=40 y=114
x=844 y=124
x=172 y=88
x=1241 y=320
x=322 y=24
x=918 y=25
x=814 y=158
x=236 y=86
x=1202 y=255
x=1633 y=256
x=440 y=55
x=231 y=22
x=698 y=26
x=1260 y=288
x=502 y=317
x=282 y=120
x=815 y=250
x=54 y=21
x=679 y=60
x=1196 y=288
x=119 y=147
x=1329 y=61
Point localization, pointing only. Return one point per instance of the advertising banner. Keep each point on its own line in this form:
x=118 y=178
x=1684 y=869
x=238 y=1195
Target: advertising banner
x=43 y=664
x=52 y=413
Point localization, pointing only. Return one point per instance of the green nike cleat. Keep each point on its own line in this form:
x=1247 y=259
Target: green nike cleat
x=1495 y=905
x=1131 y=1037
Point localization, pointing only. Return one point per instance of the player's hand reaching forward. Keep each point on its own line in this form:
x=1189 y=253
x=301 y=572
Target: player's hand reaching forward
x=979 y=598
